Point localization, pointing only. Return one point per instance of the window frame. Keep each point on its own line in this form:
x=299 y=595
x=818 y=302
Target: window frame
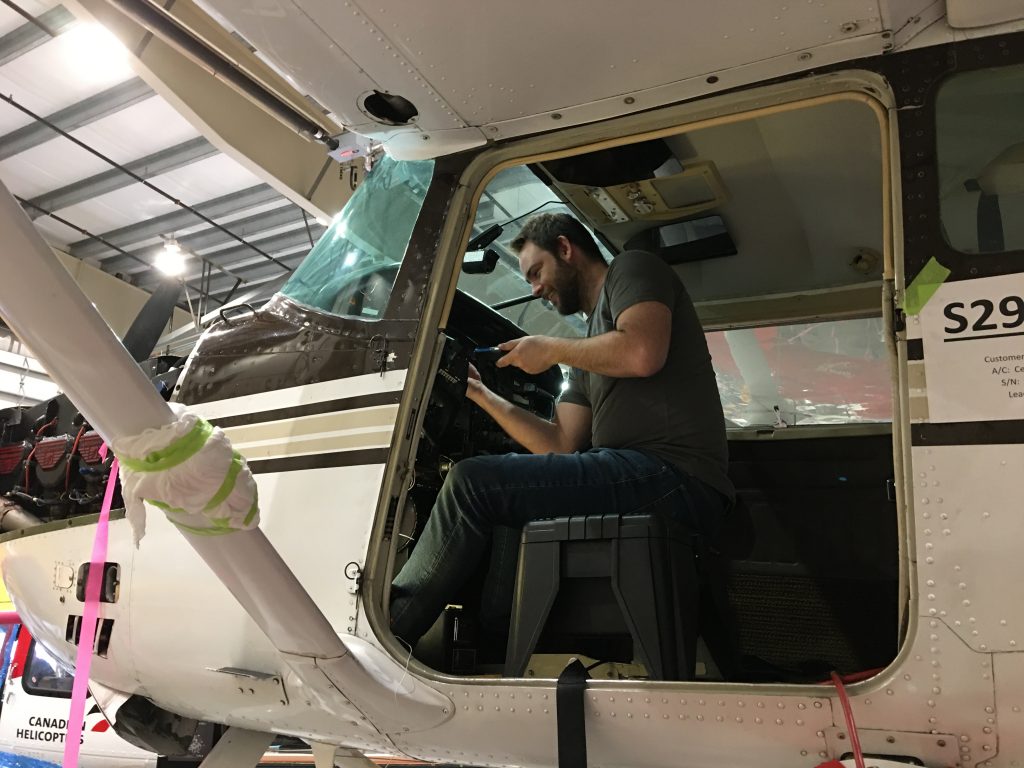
x=940 y=133
x=34 y=690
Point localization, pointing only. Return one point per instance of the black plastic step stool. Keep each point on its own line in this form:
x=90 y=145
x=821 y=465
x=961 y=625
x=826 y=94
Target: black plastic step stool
x=649 y=562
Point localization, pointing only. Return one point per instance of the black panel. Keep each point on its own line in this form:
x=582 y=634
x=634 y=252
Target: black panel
x=612 y=166
x=1009 y=432
x=915 y=349
x=819 y=589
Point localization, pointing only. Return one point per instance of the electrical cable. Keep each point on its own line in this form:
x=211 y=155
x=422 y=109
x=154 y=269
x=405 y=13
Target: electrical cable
x=28 y=461
x=131 y=174
x=67 y=472
x=532 y=210
x=309 y=232
x=856 y=677
x=319 y=178
x=851 y=726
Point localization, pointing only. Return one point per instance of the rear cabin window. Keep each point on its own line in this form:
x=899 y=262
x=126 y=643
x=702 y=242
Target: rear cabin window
x=44 y=675
x=980 y=134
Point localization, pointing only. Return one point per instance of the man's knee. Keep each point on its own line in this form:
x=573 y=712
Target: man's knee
x=474 y=474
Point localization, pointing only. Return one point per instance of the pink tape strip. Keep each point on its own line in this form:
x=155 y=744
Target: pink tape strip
x=83 y=660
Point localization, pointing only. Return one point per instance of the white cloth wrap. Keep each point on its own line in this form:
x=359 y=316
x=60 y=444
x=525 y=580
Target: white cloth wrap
x=183 y=491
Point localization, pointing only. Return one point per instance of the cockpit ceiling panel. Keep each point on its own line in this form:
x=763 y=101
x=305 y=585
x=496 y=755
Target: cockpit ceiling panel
x=474 y=69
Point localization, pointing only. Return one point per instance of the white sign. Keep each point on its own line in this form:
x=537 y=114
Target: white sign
x=973 y=335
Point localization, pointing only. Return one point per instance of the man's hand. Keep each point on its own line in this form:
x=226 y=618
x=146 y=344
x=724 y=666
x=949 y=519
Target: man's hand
x=532 y=354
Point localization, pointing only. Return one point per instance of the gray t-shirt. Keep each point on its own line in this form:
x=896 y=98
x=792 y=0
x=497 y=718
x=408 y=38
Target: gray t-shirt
x=675 y=414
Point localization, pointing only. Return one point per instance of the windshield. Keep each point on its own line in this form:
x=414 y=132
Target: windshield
x=353 y=267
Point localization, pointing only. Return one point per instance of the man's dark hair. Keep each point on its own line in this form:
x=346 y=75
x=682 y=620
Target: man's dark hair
x=544 y=229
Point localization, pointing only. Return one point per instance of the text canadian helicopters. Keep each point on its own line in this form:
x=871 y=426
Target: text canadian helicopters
x=840 y=188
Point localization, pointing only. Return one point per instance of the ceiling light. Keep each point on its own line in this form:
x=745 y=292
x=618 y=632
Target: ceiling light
x=94 y=54
x=170 y=260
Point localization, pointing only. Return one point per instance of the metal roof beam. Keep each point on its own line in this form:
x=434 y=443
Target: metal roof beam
x=152 y=165
x=217 y=208
x=199 y=242
x=84 y=112
x=275 y=244
x=220 y=287
x=23 y=39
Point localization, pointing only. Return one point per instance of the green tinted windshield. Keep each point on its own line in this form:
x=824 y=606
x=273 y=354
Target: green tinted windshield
x=353 y=267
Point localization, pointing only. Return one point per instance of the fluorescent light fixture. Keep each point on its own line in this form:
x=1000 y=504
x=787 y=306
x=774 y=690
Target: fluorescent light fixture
x=94 y=55
x=170 y=260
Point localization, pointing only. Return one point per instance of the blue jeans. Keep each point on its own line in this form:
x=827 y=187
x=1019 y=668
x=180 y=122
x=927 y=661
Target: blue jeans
x=495 y=496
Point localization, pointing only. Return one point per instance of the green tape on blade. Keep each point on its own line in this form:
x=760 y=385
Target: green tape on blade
x=178 y=452
x=924 y=286
x=229 y=482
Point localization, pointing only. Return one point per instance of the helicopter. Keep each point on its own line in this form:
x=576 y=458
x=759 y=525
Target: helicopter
x=838 y=186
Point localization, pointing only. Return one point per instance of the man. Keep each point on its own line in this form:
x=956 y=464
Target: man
x=642 y=393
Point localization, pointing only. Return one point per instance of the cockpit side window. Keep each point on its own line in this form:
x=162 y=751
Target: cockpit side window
x=46 y=676
x=826 y=372
x=352 y=269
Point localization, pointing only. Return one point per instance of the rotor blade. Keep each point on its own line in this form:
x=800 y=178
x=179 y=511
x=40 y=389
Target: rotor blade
x=40 y=301
x=151 y=321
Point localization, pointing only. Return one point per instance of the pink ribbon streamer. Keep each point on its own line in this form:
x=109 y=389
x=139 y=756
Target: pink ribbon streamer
x=83 y=659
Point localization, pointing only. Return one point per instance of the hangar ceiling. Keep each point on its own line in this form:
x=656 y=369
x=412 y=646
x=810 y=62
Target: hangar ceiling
x=109 y=168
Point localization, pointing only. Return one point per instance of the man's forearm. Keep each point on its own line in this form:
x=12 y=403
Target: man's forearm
x=609 y=354
x=535 y=434
x=638 y=347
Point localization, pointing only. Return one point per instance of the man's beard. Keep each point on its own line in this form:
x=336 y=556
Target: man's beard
x=567 y=286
